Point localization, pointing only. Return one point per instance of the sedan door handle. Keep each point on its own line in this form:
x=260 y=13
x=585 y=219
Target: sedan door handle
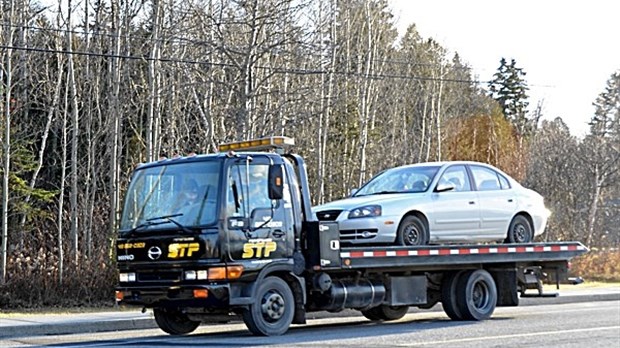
x=510 y=200
x=277 y=233
x=472 y=202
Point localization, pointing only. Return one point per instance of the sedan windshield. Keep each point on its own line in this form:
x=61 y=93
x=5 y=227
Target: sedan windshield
x=181 y=194
x=398 y=180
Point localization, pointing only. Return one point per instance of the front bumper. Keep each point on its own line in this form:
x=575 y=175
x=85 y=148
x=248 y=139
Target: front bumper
x=381 y=229
x=218 y=296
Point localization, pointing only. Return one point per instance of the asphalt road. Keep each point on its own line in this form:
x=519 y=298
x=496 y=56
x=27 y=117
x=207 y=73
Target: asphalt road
x=591 y=324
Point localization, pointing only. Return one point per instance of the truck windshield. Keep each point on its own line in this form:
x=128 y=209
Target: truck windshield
x=170 y=195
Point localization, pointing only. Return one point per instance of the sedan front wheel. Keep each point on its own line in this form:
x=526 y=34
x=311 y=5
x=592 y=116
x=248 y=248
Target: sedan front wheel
x=412 y=231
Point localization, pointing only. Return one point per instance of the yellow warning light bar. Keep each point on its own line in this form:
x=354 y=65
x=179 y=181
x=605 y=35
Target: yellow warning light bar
x=262 y=144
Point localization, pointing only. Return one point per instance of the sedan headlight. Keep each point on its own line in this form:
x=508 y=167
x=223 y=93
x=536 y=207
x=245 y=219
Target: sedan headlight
x=365 y=211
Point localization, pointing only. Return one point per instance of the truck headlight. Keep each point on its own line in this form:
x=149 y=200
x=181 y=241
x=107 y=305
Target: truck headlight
x=190 y=275
x=127 y=277
x=196 y=275
x=365 y=211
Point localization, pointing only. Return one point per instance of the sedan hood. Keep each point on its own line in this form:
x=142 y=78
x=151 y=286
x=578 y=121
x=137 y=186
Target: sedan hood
x=355 y=202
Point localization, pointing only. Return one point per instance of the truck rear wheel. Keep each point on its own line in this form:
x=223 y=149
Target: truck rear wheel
x=272 y=312
x=449 y=295
x=476 y=295
x=174 y=322
x=385 y=312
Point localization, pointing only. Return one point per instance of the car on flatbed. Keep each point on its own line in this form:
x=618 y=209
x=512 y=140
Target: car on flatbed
x=438 y=202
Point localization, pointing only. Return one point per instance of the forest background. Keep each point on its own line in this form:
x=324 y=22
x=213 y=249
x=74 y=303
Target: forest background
x=91 y=88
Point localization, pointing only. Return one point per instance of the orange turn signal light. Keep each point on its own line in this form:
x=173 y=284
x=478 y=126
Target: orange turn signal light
x=201 y=293
x=228 y=272
x=119 y=296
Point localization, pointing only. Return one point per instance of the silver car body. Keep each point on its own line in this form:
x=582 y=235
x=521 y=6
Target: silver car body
x=476 y=209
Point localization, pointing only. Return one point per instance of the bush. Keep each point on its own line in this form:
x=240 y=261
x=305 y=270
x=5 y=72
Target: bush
x=598 y=265
x=34 y=284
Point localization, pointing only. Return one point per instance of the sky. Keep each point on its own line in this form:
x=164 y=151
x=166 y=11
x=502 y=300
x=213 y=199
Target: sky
x=569 y=49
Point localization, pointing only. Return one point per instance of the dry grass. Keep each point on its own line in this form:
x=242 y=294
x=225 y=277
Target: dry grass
x=598 y=265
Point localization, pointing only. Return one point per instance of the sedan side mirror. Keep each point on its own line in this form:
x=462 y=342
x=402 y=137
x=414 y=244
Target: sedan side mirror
x=443 y=187
x=353 y=191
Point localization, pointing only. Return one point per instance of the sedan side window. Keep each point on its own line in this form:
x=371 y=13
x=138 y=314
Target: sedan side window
x=504 y=182
x=486 y=179
x=457 y=176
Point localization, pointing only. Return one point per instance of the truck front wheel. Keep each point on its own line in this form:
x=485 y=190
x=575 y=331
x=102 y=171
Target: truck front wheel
x=174 y=321
x=272 y=312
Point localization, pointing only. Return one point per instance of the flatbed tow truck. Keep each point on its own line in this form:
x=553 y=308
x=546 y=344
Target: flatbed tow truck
x=251 y=248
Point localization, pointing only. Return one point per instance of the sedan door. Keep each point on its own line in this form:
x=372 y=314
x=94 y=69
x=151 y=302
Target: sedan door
x=455 y=215
x=497 y=201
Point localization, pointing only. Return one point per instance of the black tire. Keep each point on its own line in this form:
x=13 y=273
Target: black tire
x=371 y=314
x=476 y=295
x=519 y=231
x=449 y=295
x=385 y=312
x=412 y=231
x=272 y=312
x=174 y=322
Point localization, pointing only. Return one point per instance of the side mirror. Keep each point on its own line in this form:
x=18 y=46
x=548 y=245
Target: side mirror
x=276 y=181
x=443 y=187
x=353 y=191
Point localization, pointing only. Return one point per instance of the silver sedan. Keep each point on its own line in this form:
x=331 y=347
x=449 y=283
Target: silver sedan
x=438 y=202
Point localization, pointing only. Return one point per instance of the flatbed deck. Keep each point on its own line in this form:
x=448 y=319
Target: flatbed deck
x=440 y=256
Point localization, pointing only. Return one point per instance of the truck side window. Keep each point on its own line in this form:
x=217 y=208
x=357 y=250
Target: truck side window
x=247 y=189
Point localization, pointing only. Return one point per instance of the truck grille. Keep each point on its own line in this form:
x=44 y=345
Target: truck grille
x=328 y=215
x=159 y=276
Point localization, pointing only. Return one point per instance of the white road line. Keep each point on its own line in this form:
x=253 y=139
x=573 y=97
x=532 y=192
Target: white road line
x=500 y=337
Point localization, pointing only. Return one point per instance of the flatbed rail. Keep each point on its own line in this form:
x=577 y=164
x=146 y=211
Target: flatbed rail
x=425 y=256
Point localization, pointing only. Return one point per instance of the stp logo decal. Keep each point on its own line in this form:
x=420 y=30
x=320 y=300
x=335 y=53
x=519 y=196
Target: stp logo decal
x=154 y=253
x=178 y=250
x=258 y=248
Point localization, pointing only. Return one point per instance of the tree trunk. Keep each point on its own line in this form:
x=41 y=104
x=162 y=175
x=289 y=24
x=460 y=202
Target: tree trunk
x=598 y=182
x=5 y=76
x=153 y=114
x=365 y=99
x=61 y=194
x=115 y=124
x=74 y=140
x=438 y=114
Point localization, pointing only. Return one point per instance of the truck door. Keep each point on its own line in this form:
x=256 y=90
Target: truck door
x=256 y=226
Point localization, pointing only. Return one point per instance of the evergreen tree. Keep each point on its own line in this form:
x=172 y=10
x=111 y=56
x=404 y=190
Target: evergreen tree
x=509 y=89
x=606 y=119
